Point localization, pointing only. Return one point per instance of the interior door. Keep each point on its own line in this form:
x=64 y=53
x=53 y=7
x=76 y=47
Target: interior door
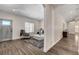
x=6 y=30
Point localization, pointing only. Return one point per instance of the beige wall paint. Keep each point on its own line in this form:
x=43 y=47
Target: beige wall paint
x=18 y=23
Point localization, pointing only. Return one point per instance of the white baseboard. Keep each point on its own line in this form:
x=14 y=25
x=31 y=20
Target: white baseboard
x=8 y=39
x=46 y=50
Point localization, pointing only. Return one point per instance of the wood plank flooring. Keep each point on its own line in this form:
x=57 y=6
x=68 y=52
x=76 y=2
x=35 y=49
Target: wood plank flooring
x=66 y=46
x=19 y=47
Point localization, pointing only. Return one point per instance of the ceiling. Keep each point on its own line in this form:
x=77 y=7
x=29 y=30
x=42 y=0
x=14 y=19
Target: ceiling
x=68 y=11
x=33 y=11
x=36 y=11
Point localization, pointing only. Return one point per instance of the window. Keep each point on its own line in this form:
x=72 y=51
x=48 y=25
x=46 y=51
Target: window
x=29 y=27
x=6 y=22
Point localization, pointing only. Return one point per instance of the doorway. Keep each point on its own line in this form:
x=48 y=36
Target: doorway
x=5 y=30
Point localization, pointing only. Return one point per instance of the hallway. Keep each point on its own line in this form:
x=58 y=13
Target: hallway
x=66 y=46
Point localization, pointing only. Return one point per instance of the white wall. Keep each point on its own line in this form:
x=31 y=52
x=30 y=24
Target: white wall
x=48 y=27
x=42 y=24
x=60 y=26
x=18 y=23
x=53 y=27
x=77 y=27
x=71 y=27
